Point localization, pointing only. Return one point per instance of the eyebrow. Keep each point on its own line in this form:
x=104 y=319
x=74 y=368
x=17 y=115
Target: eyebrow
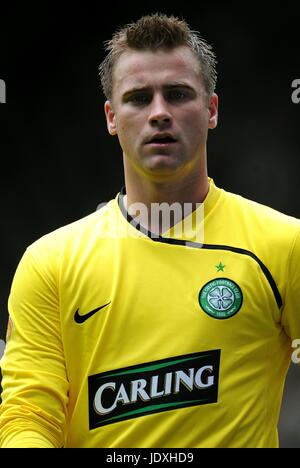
x=136 y=90
x=177 y=84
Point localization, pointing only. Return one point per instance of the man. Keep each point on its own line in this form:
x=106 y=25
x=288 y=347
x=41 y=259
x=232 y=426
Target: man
x=127 y=330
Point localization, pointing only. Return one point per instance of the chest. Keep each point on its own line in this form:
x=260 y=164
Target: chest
x=140 y=293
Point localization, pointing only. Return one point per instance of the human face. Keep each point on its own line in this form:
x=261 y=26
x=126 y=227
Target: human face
x=160 y=112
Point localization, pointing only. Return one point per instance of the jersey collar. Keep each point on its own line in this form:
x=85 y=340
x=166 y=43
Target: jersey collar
x=191 y=228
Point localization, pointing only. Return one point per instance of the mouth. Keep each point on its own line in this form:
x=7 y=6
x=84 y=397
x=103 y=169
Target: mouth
x=161 y=140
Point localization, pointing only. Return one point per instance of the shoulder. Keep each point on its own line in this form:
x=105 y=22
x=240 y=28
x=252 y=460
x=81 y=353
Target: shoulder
x=74 y=235
x=272 y=236
x=265 y=218
x=246 y=224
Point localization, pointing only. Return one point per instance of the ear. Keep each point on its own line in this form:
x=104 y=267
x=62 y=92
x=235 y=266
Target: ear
x=213 y=111
x=110 y=118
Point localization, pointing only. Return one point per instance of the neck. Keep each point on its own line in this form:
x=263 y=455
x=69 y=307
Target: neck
x=182 y=196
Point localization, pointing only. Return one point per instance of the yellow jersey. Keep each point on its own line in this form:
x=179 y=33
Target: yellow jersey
x=123 y=339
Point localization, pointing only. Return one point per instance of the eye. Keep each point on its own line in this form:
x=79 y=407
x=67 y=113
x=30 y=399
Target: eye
x=139 y=99
x=176 y=95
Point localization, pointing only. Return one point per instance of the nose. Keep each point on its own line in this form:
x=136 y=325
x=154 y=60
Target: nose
x=159 y=112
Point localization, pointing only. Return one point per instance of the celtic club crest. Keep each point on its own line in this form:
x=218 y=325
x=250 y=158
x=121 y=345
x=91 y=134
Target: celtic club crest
x=221 y=298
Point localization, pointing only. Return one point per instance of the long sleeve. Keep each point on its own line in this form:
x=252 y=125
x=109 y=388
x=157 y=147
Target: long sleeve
x=35 y=386
x=291 y=310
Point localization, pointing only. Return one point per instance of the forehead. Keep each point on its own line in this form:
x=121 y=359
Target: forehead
x=150 y=68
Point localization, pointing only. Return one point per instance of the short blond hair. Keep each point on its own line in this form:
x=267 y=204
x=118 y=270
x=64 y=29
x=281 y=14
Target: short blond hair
x=158 y=31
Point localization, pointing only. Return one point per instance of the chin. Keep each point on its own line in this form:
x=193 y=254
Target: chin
x=163 y=162
x=161 y=170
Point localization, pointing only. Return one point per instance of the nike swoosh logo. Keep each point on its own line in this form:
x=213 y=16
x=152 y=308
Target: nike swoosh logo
x=82 y=318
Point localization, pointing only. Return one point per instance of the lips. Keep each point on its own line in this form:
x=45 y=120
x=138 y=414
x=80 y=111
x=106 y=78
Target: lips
x=161 y=139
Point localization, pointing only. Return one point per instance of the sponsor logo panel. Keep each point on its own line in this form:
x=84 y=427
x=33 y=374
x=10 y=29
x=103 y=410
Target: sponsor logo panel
x=164 y=385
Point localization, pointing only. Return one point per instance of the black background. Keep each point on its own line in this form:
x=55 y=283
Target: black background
x=58 y=161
